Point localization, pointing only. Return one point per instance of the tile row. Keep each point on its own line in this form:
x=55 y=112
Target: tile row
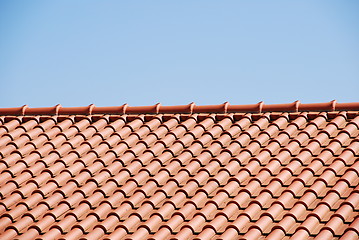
x=191 y=108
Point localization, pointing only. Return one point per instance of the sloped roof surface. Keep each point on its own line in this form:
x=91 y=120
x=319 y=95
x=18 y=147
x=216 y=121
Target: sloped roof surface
x=183 y=172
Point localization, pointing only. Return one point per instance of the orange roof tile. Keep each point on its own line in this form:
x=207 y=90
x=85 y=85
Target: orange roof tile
x=224 y=171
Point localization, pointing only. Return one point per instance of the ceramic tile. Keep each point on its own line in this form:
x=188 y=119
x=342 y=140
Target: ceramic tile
x=223 y=171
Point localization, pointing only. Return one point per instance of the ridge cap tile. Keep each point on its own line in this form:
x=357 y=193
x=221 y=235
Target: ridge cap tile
x=191 y=108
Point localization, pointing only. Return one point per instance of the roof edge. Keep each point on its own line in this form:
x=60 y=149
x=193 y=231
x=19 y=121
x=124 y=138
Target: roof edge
x=260 y=107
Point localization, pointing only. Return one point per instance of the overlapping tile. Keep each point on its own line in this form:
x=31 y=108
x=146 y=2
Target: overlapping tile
x=180 y=172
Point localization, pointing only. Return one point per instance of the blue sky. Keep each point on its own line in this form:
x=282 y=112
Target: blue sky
x=142 y=52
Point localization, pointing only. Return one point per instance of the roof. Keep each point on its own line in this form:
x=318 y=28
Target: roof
x=180 y=172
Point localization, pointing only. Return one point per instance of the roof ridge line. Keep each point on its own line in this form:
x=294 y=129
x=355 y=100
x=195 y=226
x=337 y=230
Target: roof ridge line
x=260 y=107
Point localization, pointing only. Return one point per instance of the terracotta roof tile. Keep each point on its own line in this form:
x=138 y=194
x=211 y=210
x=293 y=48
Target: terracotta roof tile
x=223 y=171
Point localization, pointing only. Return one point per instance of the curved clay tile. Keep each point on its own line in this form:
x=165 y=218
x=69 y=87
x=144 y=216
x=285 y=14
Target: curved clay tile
x=180 y=172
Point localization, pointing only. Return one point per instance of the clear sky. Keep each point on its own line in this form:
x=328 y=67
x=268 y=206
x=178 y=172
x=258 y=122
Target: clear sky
x=142 y=52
